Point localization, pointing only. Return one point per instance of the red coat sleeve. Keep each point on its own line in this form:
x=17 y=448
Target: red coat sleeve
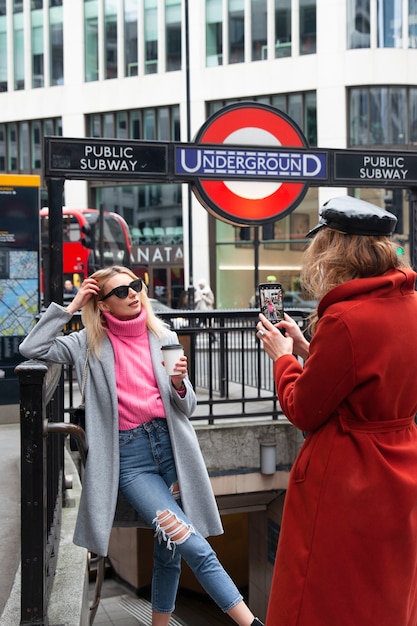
x=309 y=396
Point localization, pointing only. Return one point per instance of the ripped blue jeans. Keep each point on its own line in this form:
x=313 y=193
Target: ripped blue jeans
x=148 y=479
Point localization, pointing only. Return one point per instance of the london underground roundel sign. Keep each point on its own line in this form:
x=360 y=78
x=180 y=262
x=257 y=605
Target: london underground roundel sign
x=255 y=126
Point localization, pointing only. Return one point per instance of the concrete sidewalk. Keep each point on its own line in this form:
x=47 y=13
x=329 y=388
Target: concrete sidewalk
x=10 y=508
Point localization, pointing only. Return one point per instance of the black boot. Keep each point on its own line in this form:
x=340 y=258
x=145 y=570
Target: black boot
x=257 y=622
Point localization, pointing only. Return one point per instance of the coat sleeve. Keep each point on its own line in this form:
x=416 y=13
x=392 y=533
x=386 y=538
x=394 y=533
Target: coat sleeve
x=46 y=341
x=309 y=396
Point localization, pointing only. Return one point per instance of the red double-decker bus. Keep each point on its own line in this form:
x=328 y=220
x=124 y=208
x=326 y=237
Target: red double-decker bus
x=90 y=241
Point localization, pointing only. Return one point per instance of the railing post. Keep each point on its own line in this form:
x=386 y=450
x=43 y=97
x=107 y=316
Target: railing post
x=34 y=494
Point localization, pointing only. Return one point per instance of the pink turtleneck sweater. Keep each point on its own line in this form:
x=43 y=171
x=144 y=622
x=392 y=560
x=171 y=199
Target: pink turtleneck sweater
x=137 y=391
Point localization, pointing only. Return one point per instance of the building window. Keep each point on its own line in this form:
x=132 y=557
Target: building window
x=382 y=116
x=110 y=38
x=91 y=39
x=412 y=23
x=259 y=29
x=3 y=147
x=173 y=34
x=18 y=45
x=308 y=26
x=302 y=107
x=236 y=31
x=282 y=28
x=21 y=144
x=56 y=42
x=151 y=36
x=3 y=47
x=214 y=33
x=389 y=20
x=161 y=123
x=358 y=24
x=38 y=76
x=131 y=38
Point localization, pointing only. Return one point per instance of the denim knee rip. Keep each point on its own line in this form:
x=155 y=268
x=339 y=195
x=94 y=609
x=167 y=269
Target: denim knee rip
x=172 y=529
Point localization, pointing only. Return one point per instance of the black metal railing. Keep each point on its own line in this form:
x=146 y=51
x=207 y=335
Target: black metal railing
x=42 y=483
x=229 y=369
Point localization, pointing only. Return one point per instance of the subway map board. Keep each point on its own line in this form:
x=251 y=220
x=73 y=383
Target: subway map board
x=19 y=273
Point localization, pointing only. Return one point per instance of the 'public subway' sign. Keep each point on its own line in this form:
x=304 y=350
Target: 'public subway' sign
x=249 y=164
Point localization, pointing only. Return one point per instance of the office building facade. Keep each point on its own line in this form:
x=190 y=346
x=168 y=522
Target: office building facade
x=343 y=70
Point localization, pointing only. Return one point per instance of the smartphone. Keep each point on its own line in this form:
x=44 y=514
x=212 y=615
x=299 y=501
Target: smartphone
x=270 y=301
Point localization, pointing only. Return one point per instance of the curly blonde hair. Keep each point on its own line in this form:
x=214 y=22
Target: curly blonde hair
x=333 y=258
x=94 y=320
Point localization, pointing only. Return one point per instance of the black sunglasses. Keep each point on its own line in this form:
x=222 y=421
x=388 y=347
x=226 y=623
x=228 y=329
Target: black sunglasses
x=123 y=290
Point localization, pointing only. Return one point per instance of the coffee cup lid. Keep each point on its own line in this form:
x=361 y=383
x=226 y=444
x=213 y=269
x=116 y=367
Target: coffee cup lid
x=172 y=346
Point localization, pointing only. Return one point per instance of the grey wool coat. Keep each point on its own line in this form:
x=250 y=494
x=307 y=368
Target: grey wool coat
x=100 y=486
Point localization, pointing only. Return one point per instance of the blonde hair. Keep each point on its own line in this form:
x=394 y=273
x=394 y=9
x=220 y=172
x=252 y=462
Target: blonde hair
x=333 y=258
x=94 y=320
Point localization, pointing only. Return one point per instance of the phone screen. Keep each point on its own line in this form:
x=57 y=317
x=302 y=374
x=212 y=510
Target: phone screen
x=270 y=300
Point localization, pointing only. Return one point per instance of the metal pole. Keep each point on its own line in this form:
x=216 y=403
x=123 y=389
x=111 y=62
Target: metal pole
x=413 y=226
x=53 y=282
x=190 y=299
x=256 y=264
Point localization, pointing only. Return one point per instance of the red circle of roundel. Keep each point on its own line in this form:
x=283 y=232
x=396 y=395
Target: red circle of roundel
x=217 y=197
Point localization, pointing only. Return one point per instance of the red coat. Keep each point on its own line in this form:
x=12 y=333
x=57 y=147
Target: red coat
x=347 y=552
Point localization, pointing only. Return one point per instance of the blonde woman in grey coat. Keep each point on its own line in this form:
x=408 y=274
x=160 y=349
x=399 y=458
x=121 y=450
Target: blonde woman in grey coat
x=139 y=435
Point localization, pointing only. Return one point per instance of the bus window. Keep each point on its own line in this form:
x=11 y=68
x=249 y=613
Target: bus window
x=84 y=248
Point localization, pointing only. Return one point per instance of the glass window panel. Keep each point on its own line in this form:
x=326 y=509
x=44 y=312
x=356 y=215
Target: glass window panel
x=95 y=125
x=295 y=108
x=24 y=147
x=214 y=33
x=151 y=36
x=173 y=34
x=259 y=29
x=110 y=37
x=282 y=28
x=280 y=102
x=18 y=51
x=108 y=125
x=12 y=147
x=413 y=115
x=163 y=124
x=48 y=128
x=2 y=7
x=36 y=148
x=310 y=114
x=135 y=125
x=378 y=115
x=412 y=23
x=175 y=121
x=358 y=24
x=122 y=130
x=131 y=38
x=389 y=18
x=236 y=31
x=397 y=117
x=149 y=124
x=358 y=117
x=17 y=6
x=308 y=26
x=91 y=39
x=37 y=47
x=3 y=51
x=56 y=36
x=2 y=147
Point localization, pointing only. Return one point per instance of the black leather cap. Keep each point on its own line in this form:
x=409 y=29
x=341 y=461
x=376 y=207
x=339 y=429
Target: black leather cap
x=354 y=217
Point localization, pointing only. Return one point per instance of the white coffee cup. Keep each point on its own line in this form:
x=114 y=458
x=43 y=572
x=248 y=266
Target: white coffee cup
x=170 y=355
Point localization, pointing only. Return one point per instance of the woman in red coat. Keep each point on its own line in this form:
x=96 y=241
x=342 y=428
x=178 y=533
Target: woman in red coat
x=347 y=552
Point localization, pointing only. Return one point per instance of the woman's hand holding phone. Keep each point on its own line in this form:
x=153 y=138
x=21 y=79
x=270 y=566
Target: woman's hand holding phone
x=274 y=342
